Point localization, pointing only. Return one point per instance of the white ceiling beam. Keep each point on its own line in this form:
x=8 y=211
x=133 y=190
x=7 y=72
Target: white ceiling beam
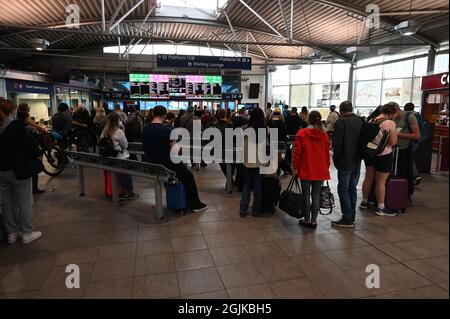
x=262 y=19
x=280 y=4
x=260 y=48
x=126 y=15
x=116 y=13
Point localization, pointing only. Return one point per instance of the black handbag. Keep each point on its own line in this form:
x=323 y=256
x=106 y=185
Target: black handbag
x=292 y=203
x=326 y=199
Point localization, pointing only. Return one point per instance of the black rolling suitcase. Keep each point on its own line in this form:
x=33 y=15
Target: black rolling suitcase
x=271 y=189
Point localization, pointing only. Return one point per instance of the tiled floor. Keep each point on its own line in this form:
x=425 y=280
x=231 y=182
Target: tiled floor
x=125 y=253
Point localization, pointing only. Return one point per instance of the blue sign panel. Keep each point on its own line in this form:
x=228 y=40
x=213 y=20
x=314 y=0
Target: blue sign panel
x=232 y=96
x=116 y=96
x=203 y=62
x=29 y=87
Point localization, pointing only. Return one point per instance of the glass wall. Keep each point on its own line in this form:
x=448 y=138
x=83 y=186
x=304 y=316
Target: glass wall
x=377 y=83
x=315 y=85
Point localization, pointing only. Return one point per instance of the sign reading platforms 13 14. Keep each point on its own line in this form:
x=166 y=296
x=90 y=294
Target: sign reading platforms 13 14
x=203 y=62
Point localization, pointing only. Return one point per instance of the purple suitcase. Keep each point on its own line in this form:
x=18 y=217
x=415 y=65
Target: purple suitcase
x=396 y=190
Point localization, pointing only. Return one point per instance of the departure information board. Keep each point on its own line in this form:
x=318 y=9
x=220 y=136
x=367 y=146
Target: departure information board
x=190 y=87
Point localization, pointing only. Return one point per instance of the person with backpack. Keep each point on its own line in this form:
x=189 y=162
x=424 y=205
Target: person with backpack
x=347 y=160
x=409 y=135
x=253 y=179
x=158 y=146
x=19 y=161
x=379 y=164
x=311 y=163
x=113 y=143
x=410 y=107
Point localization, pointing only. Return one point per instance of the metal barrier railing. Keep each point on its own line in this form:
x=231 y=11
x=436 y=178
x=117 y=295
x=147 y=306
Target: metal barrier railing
x=158 y=173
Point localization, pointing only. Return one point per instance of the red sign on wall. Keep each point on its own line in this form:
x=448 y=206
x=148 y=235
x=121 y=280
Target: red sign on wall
x=436 y=81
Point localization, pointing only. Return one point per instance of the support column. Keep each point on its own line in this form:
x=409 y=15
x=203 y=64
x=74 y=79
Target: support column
x=266 y=86
x=351 y=84
x=431 y=60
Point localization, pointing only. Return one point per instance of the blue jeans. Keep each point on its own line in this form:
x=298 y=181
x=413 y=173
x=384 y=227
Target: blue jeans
x=253 y=182
x=348 y=194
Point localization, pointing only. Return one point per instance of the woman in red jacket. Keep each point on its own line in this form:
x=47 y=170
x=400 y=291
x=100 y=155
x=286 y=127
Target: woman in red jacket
x=311 y=163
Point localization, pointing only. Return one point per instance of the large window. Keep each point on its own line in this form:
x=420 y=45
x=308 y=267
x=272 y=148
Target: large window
x=316 y=85
x=441 y=63
x=377 y=83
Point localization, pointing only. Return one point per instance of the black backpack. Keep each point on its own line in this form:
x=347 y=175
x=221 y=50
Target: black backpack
x=373 y=139
x=106 y=147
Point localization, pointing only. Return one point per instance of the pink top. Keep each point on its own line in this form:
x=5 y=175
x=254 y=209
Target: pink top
x=388 y=125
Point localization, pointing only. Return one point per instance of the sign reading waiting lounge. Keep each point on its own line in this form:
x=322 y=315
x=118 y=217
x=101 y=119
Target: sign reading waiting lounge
x=203 y=62
x=29 y=87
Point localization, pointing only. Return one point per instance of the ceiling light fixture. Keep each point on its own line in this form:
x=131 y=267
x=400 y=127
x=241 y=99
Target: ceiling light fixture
x=409 y=27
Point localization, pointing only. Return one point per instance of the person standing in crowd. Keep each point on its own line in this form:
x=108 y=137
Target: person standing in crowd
x=285 y=112
x=408 y=136
x=117 y=136
x=177 y=122
x=410 y=107
x=222 y=125
x=134 y=126
x=187 y=122
x=331 y=120
x=62 y=123
x=374 y=114
x=19 y=162
x=293 y=125
x=268 y=112
x=240 y=119
x=304 y=114
x=347 y=160
x=294 y=122
x=157 y=149
x=277 y=123
x=252 y=175
x=122 y=115
x=23 y=116
x=311 y=163
x=100 y=120
x=170 y=119
x=381 y=166
x=208 y=120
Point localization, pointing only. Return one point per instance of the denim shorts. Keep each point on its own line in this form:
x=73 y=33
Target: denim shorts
x=382 y=164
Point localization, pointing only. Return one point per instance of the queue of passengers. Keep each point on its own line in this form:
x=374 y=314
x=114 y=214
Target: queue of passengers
x=21 y=162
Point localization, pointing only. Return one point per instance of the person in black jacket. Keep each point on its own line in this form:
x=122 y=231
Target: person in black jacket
x=277 y=123
x=347 y=159
x=18 y=163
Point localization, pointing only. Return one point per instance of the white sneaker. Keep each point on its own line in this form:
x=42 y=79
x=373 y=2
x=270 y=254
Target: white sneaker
x=13 y=237
x=30 y=237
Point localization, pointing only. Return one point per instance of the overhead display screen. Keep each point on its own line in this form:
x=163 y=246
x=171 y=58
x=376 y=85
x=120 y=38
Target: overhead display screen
x=165 y=87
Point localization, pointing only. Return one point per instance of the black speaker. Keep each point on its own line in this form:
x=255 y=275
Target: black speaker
x=254 y=91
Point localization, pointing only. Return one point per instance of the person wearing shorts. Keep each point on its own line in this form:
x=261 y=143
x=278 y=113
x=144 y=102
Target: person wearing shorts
x=380 y=167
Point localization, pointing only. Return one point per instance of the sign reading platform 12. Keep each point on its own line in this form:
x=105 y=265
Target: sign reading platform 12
x=203 y=62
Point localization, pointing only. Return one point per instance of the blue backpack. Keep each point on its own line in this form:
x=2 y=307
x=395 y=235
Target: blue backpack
x=420 y=122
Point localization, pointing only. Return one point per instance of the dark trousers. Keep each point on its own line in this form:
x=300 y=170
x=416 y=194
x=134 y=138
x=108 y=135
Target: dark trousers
x=35 y=182
x=187 y=178
x=311 y=190
x=406 y=168
x=253 y=183
x=347 y=189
